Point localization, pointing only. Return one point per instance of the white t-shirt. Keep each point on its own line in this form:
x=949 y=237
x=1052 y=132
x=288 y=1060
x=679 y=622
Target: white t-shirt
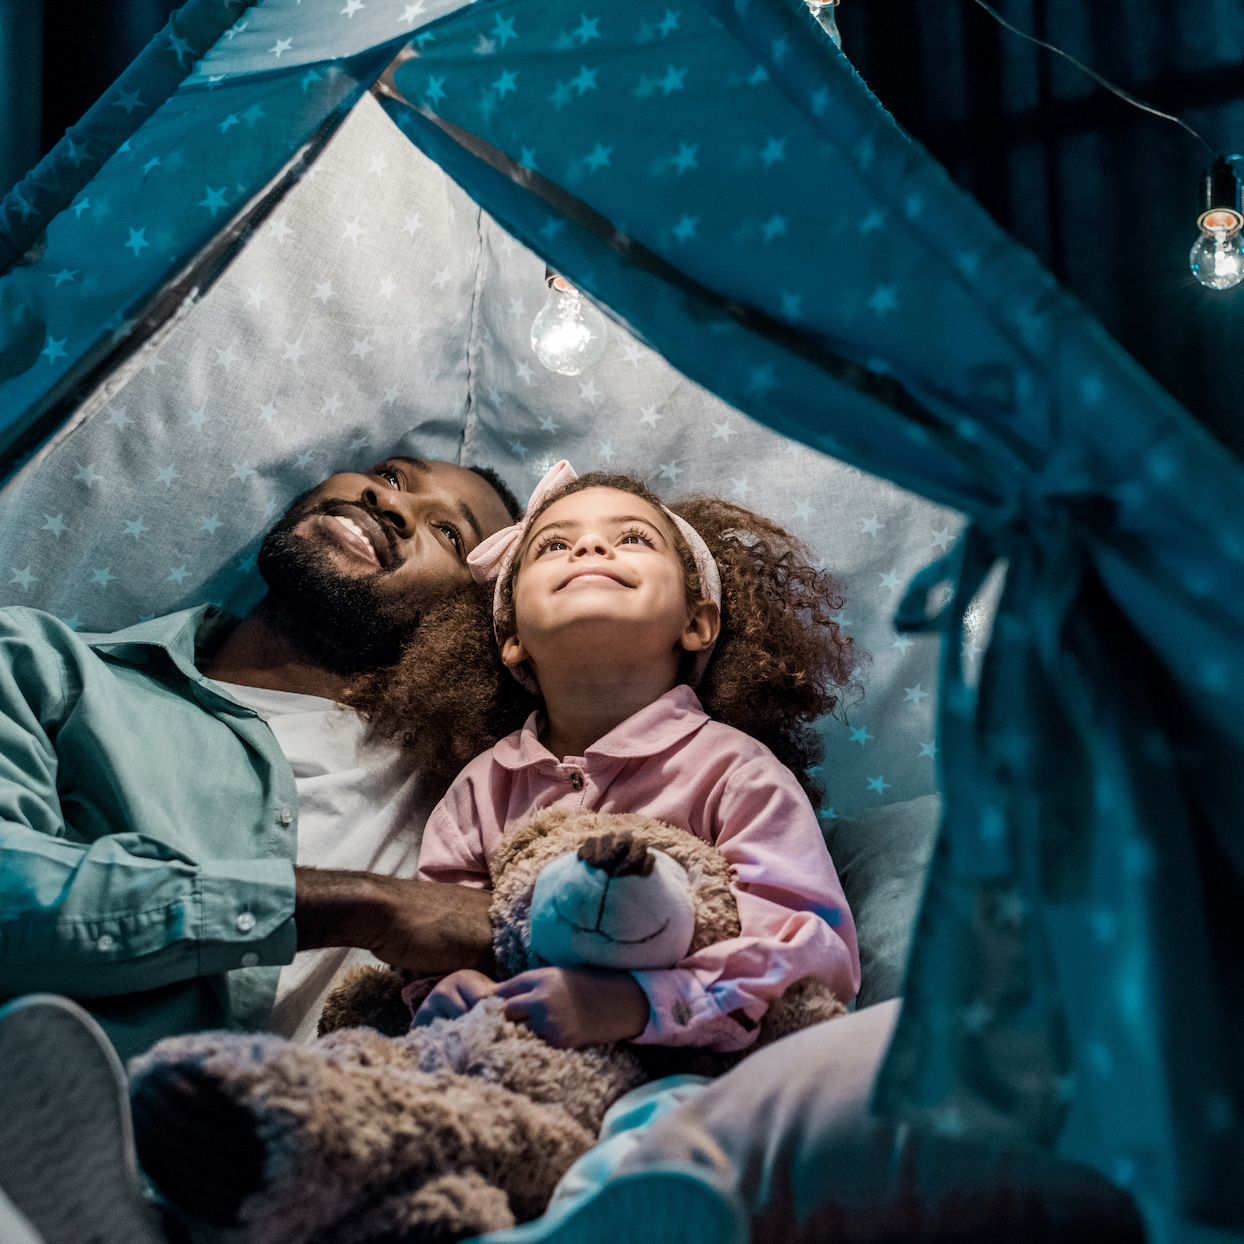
x=360 y=806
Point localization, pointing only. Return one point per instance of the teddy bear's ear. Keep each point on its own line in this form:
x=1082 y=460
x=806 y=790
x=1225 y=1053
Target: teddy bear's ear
x=520 y=837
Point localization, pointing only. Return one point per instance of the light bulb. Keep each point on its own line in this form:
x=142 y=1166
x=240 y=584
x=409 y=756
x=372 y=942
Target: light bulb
x=1216 y=258
x=569 y=333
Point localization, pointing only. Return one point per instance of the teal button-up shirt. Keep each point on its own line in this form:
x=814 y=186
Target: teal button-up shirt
x=148 y=825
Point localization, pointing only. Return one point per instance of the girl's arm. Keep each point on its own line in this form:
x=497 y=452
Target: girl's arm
x=796 y=922
x=453 y=849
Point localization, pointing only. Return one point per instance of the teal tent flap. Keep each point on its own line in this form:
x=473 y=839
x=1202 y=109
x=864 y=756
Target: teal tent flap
x=723 y=182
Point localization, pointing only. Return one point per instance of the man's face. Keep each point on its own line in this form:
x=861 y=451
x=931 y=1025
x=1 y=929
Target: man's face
x=354 y=563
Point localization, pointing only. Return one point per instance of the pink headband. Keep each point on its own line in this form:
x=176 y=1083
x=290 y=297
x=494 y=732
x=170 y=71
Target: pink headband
x=490 y=561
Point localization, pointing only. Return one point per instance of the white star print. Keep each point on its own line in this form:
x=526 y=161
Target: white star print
x=942 y=539
x=412 y=11
x=197 y=418
x=241 y=470
x=761 y=381
x=154 y=363
x=387 y=287
x=102 y=577
x=860 y=735
x=79 y=207
x=633 y=354
x=128 y=101
x=878 y=783
x=178 y=573
x=685 y=159
x=412 y=224
x=928 y=749
x=870 y=526
x=673 y=80
x=524 y=370
x=685 y=229
x=324 y=291
x=774 y=227
x=391 y=396
x=516 y=307
x=915 y=695
x=117 y=416
x=586 y=81
x=872 y=222
x=723 y=431
x=599 y=157
x=362 y=348
x=229 y=121
x=378 y=165
x=518 y=449
x=280 y=230
x=435 y=91
x=281 y=45
x=504 y=30
x=889 y=581
x=225 y=358
x=256 y=297
x=135 y=527
x=138 y=239
x=294 y=350
x=548 y=424
x=54 y=349
x=902 y=643
x=792 y=305
x=267 y=412
x=884 y=300
x=741 y=488
x=55 y=523
x=352 y=7
x=507 y=82
x=589 y=392
x=166 y=475
x=588 y=29
x=441 y=279
x=353 y=231
x=331 y=404
x=804 y=510
x=64 y=275
x=670 y=470
x=86 y=474
x=607 y=451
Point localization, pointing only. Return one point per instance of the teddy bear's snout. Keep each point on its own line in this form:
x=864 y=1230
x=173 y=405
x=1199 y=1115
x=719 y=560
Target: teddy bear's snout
x=618 y=855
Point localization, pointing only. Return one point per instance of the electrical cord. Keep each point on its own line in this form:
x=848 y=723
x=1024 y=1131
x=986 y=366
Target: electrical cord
x=1092 y=73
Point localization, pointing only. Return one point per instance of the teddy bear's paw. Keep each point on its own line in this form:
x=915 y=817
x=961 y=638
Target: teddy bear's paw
x=367 y=997
x=446 y=1209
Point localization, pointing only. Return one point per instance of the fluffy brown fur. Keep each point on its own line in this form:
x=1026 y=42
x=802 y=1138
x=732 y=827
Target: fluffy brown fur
x=781 y=662
x=463 y=1126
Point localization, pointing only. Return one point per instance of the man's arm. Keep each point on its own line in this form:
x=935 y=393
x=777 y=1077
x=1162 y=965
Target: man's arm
x=423 y=925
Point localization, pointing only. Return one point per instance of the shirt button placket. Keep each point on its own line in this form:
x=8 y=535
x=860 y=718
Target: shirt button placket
x=576 y=781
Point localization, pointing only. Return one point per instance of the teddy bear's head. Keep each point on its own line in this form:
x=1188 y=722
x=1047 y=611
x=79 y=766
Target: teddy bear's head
x=606 y=890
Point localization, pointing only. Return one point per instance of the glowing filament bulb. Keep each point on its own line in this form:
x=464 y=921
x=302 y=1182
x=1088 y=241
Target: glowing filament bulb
x=1216 y=258
x=569 y=333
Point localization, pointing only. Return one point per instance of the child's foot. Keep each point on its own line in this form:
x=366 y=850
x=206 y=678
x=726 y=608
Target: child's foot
x=66 y=1145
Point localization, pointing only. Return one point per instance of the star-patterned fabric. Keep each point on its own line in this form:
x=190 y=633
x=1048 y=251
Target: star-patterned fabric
x=717 y=177
x=380 y=311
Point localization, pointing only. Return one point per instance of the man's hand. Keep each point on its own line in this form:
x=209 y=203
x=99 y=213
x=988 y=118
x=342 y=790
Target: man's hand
x=423 y=925
x=573 y=1007
x=454 y=996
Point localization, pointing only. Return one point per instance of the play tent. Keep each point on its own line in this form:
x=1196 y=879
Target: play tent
x=243 y=270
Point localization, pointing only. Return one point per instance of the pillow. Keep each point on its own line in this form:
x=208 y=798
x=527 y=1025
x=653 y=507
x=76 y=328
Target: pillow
x=882 y=857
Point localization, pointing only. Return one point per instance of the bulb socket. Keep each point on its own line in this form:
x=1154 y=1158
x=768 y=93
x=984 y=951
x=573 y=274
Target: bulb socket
x=1220 y=199
x=555 y=280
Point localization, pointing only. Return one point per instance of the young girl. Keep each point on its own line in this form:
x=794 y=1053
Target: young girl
x=680 y=657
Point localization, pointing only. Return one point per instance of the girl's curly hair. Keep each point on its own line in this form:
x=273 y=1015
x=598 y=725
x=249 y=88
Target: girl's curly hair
x=781 y=661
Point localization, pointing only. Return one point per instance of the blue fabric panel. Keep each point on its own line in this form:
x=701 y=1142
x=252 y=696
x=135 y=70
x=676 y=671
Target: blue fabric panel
x=147 y=83
x=286 y=34
x=165 y=193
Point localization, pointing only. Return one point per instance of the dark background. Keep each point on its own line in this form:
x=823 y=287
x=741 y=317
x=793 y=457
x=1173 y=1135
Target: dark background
x=1105 y=195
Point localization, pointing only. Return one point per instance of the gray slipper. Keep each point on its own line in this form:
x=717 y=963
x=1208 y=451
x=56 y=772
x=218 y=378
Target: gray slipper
x=66 y=1145
x=672 y=1204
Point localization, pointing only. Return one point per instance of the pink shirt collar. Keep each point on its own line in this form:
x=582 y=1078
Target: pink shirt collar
x=652 y=730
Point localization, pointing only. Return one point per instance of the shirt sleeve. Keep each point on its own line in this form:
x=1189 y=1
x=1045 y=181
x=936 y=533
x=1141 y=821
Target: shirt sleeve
x=795 y=918
x=124 y=913
x=453 y=843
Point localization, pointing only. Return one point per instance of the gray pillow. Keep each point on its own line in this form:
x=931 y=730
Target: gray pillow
x=882 y=858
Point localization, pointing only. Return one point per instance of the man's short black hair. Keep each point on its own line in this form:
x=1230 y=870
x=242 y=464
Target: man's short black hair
x=502 y=489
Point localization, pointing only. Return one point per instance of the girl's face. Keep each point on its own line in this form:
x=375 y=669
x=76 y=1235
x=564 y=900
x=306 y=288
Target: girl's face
x=599 y=578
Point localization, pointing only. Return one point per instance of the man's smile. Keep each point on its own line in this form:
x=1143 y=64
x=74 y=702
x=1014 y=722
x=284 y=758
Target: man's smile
x=360 y=534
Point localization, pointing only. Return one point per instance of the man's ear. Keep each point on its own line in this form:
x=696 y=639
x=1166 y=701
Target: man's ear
x=702 y=627
x=512 y=651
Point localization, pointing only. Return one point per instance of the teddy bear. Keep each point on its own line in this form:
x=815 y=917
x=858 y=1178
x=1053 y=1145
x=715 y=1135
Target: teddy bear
x=465 y=1126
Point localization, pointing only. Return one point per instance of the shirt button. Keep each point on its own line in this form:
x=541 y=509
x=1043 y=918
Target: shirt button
x=250 y=959
x=105 y=943
x=576 y=780
x=286 y=816
x=246 y=922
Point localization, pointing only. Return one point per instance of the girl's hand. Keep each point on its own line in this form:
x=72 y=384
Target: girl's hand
x=454 y=996
x=573 y=1007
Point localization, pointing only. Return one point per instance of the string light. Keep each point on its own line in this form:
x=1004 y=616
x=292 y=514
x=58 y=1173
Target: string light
x=568 y=334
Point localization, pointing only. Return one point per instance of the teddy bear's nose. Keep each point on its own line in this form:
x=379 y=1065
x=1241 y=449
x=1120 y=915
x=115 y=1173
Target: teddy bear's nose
x=617 y=855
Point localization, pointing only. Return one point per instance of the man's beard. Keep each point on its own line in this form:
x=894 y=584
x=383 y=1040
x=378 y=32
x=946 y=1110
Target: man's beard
x=343 y=624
